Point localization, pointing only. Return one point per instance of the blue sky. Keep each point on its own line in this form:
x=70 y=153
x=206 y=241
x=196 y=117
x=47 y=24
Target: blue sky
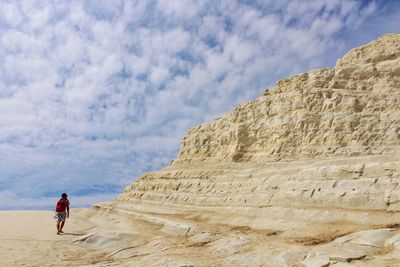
x=95 y=93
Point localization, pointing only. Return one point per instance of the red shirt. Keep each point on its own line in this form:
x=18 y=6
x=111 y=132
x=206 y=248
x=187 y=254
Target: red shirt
x=62 y=204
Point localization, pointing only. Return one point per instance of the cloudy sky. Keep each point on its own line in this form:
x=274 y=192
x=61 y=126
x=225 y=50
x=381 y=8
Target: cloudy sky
x=94 y=93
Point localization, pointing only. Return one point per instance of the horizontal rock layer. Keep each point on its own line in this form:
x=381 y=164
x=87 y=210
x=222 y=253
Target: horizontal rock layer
x=322 y=146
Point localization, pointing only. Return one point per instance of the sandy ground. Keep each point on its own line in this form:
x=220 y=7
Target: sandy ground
x=28 y=238
x=96 y=237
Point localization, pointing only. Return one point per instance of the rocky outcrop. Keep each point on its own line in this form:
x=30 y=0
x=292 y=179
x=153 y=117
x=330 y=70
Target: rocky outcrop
x=326 y=139
x=319 y=148
x=350 y=110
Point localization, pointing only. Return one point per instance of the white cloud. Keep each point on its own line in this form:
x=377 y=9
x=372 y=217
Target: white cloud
x=93 y=93
x=11 y=14
x=158 y=75
x=180 y=9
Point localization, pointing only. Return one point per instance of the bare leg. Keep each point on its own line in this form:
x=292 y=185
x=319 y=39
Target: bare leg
x=61 y=227
x=58 y=227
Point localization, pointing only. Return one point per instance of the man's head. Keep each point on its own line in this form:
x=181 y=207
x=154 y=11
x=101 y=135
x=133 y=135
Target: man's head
x=64 y=195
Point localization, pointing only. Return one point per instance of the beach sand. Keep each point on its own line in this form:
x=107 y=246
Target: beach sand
x=92 y=237
x=101 y=237
x=28 y=238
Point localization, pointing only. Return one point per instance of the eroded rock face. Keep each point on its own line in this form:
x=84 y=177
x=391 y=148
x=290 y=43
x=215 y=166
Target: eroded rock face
x=305 y=175
x=350 y=110
x=320 y=146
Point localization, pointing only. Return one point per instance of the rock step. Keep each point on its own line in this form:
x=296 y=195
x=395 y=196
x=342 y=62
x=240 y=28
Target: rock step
x=259 y=217
x=365 y=194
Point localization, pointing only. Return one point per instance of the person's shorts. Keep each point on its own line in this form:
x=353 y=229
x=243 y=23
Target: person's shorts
x=61 y=216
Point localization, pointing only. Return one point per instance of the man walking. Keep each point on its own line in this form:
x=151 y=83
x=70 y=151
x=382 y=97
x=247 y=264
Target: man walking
x=62 y=212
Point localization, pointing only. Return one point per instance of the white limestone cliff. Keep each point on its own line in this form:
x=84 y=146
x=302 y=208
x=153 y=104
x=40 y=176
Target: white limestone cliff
x=319 y=148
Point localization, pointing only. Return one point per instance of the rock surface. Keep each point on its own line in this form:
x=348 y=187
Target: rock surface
x=313 y=159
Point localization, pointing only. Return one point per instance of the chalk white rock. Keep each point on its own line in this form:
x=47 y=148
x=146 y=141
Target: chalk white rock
x=317 y=261
x=374 y=238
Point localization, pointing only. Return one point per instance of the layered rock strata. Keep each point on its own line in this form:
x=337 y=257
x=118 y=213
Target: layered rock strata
x=323 y=145
x=305 y=175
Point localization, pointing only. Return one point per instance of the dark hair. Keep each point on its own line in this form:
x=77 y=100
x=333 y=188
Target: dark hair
x=64 y=195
